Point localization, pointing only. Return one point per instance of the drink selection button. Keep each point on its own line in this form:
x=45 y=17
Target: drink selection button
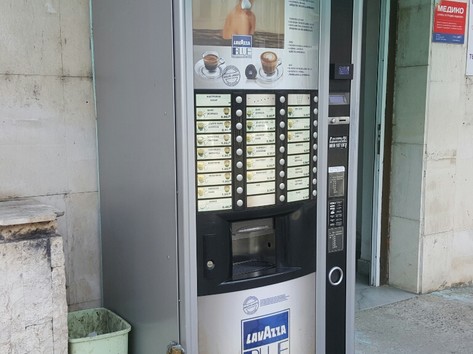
x=238 y=99
x=282 y=149
x=240 y=203
x=282 y=112
x=282 y=198
x=239 y=126
x=282 y=99
x=282 y=174
x=282 y=186
x=315 y=135
x=282 y=125
x=239 y=152
x=282 y=137
x=239 y=112
x=239 y=139
x=282 y=162
x=239 y=178
x=314 y=193
x=316 y=99
x=316 y=123
x=239 y=190
x=316 y=111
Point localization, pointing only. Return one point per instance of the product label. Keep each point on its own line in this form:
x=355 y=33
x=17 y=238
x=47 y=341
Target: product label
x=263 y=125
x=260 y=112
x=299 y=112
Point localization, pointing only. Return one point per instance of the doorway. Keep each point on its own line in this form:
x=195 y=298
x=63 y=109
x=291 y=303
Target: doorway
x=371 y=169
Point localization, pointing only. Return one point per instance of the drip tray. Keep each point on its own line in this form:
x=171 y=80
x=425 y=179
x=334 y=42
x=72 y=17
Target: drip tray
x=252 y=268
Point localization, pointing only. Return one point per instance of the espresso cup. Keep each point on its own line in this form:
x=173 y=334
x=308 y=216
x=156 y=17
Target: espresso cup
x=269 y=62
x=212 y=60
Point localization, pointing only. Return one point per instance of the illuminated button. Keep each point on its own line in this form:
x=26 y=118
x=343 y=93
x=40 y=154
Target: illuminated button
x=282 y=198
x=316 y=123
x=239 y=164
x=239 y=139
x=282 y=125
x=313 y=170
x=282 y=99
x=239 y=126
x=282 y=162
x=282 y=186
x=315 y=146
x=210 y=265
x=240 y=203
x=282 y=149
x=314 y=181
x=239 y=190
x=315 y=135
x=282 y=137
x=282 y=112
x=239 y=178
x=316 y=99
x=239 y=152
x=238 y=99
x=314 y=193
x=316 y=111
x=282 y=174
x=239 y=112
x=314 y=158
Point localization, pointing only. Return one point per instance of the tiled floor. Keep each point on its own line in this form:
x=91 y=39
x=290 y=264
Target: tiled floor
x=369 y=297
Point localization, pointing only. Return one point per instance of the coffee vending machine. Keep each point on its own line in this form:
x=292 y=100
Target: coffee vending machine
x=227 y=163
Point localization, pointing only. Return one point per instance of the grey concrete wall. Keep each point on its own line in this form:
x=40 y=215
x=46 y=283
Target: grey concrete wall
x=447 y=227
x=431 y=211
x=412 y=65
x=47 y=127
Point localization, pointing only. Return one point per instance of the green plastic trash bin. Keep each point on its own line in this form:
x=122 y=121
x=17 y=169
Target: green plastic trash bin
x=97 y=331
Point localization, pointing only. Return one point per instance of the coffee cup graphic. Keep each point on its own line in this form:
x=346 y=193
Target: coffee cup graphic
x=212 y=60
x=269 y=62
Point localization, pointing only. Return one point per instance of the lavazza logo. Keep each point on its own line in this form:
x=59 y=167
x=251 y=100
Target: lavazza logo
x=266 y=334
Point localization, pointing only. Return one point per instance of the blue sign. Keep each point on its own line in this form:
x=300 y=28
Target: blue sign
x=242 y=46
x=270 y=332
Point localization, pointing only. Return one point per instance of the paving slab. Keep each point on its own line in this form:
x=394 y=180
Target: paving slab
x=440 y=322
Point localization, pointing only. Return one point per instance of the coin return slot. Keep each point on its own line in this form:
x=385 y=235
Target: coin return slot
x=253 y=248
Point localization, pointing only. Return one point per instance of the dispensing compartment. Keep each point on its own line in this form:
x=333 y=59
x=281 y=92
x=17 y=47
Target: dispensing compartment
x=253 y=248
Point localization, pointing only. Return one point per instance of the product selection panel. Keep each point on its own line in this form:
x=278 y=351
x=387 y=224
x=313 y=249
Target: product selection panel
x=255 y=149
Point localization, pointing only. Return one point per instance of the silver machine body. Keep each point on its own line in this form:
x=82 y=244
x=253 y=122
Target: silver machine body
x=227 y=168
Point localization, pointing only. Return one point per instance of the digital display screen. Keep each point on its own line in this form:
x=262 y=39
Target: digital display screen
x=344 y=70
x=339 y=99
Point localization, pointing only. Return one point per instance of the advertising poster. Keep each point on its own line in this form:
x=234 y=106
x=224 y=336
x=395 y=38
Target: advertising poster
x=469 y=59
x=449 y=22
x=256 y=44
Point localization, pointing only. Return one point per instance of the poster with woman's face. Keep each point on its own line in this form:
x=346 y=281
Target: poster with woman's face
x=255 y=44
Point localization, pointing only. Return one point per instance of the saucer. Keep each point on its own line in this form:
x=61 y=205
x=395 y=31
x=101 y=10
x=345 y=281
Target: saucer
x=262 y=76
x=206 y=74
